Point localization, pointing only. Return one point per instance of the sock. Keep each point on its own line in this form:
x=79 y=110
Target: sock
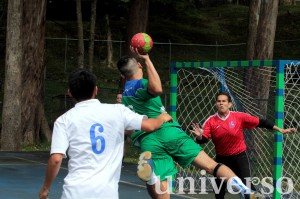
x=153 y=179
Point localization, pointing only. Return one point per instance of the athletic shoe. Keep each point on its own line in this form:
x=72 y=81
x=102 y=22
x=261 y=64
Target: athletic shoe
x=253 y=195
x=145 y=167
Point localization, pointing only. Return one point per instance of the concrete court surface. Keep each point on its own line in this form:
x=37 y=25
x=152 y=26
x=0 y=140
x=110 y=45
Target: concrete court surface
x=22 y=175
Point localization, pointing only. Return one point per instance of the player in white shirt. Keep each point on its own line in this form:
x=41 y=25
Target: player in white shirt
x=93 y=135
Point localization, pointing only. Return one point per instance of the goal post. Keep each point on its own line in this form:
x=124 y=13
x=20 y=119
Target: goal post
x=193 y=86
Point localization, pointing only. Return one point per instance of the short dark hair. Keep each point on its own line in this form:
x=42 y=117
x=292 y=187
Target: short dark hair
x=127 y=65
x=81 y=84
x=223 y=93
x=120 y=91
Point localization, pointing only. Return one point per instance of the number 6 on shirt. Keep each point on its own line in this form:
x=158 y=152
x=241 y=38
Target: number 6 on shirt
x=95 y=138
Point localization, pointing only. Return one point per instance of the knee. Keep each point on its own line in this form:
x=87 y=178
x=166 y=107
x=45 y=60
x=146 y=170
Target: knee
x=215 y=171
x=209 y=167
x=203 y=161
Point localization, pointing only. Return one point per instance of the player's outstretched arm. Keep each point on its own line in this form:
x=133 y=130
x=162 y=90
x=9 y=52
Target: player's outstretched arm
x=154 y=82
x=270 y=125
x=152 y=124
x=51 y=173
x=283 y=131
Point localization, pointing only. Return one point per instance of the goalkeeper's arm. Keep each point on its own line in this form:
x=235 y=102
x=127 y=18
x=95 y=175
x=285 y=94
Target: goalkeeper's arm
x=270 y=125
x=201 y=139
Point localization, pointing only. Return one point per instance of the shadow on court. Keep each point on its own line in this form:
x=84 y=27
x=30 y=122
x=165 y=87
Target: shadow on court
x=22 y=175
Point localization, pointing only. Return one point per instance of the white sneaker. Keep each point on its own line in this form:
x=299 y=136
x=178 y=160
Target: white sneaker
x=145 y=166
x=253 y=195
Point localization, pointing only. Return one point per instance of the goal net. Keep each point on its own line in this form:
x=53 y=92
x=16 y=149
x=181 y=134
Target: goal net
x=253 y=87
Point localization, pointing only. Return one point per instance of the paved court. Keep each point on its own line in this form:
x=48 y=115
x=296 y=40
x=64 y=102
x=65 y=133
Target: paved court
x=22 y=175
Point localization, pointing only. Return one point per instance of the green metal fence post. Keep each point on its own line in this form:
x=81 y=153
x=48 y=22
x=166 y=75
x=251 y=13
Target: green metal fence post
x=279 y=110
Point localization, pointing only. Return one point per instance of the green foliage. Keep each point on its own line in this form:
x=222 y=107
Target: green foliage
x=169 y=21
x=37 y=147
x=132 y=153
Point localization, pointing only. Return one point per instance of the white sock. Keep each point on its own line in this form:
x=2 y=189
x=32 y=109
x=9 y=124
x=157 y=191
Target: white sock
x=237 y=186
x=153 y=179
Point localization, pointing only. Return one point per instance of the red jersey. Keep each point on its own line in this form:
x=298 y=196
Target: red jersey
x=227 y=134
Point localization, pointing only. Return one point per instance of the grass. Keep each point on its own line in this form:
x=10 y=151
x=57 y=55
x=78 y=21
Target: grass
x=37 y=147
x=131 y=156
x=132 y=153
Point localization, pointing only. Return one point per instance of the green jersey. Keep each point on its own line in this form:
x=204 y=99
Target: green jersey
x=137 y=98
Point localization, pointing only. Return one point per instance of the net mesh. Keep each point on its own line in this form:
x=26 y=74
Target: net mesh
x=196 y=90
x=291 y=146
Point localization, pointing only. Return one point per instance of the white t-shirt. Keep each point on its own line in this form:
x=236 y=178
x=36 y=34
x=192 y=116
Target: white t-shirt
x=93 y=134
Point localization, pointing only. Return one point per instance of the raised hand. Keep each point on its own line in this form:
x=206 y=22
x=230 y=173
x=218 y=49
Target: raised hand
x=135 y=51
x=196 y=129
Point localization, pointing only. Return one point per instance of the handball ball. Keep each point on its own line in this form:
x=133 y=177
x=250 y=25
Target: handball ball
x=142 y=42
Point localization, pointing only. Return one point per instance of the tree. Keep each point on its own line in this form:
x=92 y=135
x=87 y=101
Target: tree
x=80 y=34
x=92 y=33
x=260 y=45
x=11 y=111
x=109 y=59
x=138 y=17
x=34 y=122
x=23 y=119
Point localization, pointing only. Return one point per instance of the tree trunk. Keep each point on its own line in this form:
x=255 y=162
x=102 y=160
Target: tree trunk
x=266 y=30
x=138 y=18
x=11 y=111
x=254 y=10
x=254 y=13
x=92 y=33
x=34 y=19
x=80 y=34
x=109 y=59
x=263 y=49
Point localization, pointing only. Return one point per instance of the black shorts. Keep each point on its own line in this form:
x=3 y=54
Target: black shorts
x=239 y=164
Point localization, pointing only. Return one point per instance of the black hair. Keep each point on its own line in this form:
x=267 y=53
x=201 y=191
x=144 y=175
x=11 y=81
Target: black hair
x=81 y=84
x=127 y=65
x=120 y=91
x=223 y=93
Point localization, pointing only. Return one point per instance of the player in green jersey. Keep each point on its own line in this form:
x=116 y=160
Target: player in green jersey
x=169 y=143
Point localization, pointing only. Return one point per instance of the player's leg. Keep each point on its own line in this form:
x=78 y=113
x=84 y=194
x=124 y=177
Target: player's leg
x=203 y=161
x=221 y=189
x=222 y=171
x=185 y=151
x=226 y=161
x=241 y=166
x=157 y=185
x=163 y=185
x=157 y=161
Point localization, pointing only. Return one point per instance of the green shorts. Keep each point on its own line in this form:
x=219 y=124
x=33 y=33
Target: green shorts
x=167 y=145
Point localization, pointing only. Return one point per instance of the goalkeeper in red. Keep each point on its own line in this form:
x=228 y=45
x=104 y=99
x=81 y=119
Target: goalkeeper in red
x=169 y=143
x=225 y=128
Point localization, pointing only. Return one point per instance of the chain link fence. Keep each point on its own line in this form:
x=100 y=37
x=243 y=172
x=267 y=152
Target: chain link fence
x=61 y=59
